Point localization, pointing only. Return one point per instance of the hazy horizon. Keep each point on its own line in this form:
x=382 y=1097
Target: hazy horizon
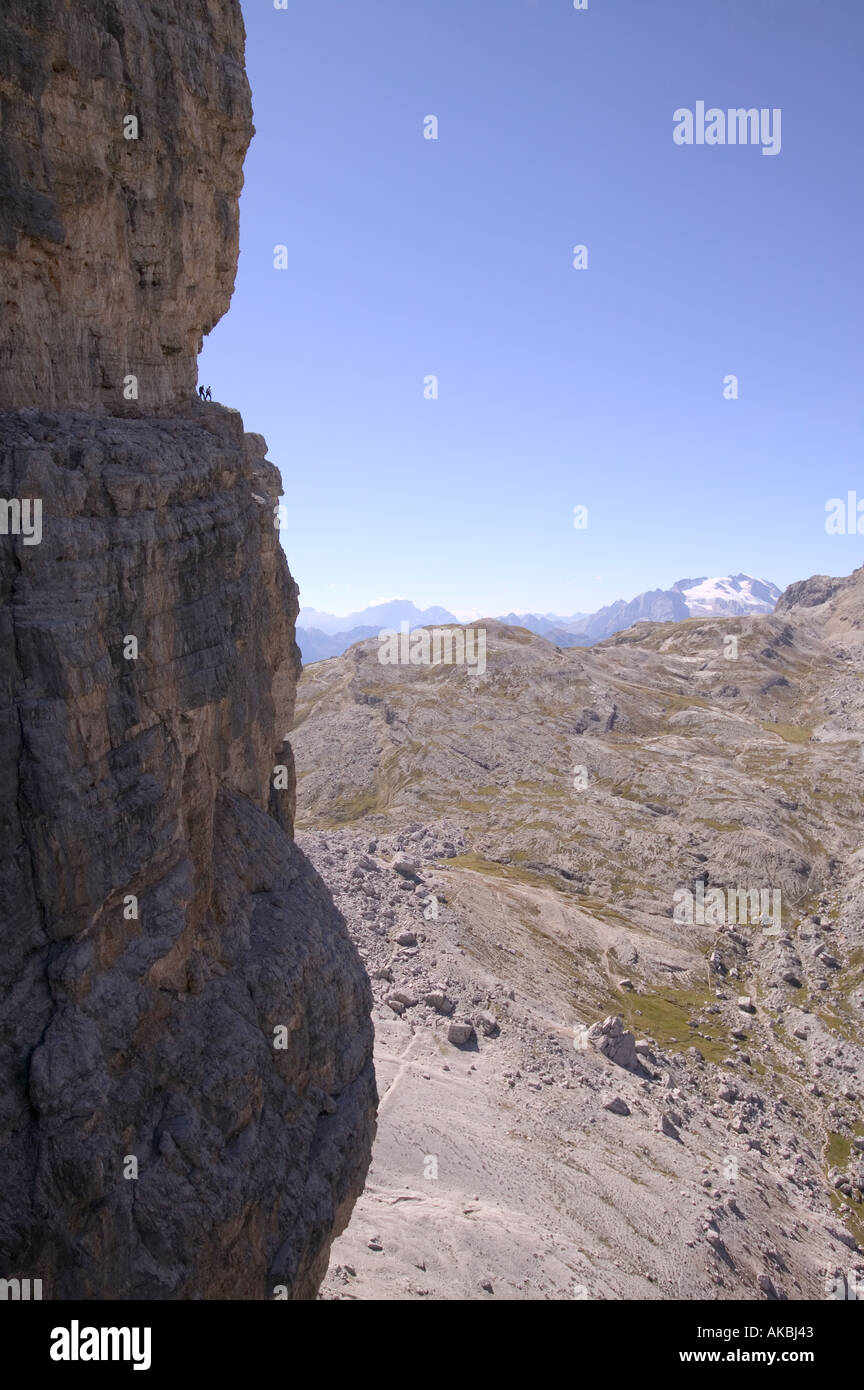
x=470 y=614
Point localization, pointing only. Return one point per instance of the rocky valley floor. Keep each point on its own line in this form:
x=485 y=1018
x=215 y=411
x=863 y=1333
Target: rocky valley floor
x=506 y=850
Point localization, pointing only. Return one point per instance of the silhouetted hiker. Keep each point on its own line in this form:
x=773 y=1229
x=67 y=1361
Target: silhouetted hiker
x=201 y=392
x=208 y=395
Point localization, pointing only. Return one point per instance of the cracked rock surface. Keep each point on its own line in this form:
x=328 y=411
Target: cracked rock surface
x=158 y=923
x=187 y=1098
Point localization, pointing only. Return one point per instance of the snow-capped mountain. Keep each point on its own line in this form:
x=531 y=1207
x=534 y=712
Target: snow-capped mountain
x=322 y=635
x=730 y=596
x=736 y=594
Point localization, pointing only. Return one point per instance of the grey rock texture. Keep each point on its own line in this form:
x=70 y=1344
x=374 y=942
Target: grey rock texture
x=187 y=1096
x=612 y=1040
x=116 y=254
x=551 y=887
x=154 y=1036
x=810 y=593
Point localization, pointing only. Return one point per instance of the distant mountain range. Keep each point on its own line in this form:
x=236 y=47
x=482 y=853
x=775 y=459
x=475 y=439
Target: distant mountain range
x=321 y=635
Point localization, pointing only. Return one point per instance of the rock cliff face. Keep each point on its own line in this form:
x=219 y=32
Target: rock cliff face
x=118 y=236
x=186 y=1086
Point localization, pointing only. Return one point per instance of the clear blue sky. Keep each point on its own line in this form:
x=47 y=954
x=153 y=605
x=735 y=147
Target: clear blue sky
x=557 y=387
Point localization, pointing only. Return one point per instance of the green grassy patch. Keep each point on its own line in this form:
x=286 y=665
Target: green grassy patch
x=351 y=808
x=512 y=872
x=790 y=733
x=840 y=1024
x=838 y=1150
x=596 y=907
x=855 y=1222
x=664 y=1016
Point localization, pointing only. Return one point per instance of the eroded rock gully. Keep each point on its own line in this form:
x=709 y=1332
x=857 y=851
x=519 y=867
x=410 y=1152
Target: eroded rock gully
x=159 y=929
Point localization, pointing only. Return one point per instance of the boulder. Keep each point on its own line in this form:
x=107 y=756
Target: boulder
x=460 y=1033
x=613 y=1041
x=616 y=1105
x=402 y=997
x=668 y=1127
x=437 y=1000
x=406 y=869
